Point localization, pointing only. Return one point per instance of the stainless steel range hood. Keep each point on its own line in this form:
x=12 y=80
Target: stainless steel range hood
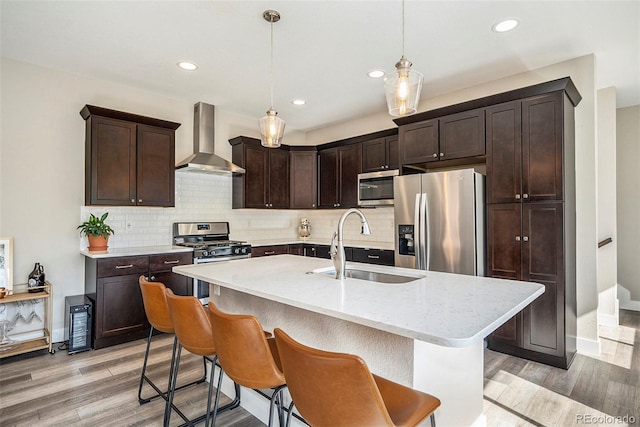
x=203 y=159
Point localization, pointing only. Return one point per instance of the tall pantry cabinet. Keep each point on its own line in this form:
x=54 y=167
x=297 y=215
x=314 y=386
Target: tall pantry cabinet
x=531 y=220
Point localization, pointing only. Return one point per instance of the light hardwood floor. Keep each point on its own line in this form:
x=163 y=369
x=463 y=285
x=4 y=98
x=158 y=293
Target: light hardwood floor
x=99 y=388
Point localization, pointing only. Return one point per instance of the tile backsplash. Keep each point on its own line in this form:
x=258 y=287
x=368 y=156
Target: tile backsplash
x=201 y=197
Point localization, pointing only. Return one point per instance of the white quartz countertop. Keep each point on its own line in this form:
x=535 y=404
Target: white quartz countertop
x=319 y=241
x=142 y=250
x=451 y=310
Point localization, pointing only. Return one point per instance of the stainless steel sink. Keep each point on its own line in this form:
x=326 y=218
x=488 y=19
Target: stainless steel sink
x=373 y=276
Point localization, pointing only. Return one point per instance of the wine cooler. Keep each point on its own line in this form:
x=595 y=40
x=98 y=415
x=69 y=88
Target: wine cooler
x=78 y=323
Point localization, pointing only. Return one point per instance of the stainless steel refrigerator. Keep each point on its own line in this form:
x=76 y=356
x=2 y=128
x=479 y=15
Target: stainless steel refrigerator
x=440 y=221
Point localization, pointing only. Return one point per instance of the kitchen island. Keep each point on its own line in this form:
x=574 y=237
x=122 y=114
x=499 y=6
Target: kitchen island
x=427 y=333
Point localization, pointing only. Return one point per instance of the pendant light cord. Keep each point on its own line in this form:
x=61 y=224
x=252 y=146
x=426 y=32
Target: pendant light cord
x=271 y=73
x=403 y=28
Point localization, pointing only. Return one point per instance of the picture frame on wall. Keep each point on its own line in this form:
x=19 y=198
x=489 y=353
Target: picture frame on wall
x=6 y=262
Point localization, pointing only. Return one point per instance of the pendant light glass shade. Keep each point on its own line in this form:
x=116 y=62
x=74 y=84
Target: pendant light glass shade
x=271 y=129
x=271 y=126
x=403 y=89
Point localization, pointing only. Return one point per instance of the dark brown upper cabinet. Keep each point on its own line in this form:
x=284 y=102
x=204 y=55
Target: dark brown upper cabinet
x=462 y=135
x=265 y=185
x=130 y=159
x=456 y=136
x=304 y=178
x=419 y=142
x=339 y=169
x=525 y=150
x=380 y=154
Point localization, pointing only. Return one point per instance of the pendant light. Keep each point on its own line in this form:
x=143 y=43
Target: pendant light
x=271 y=126
x=403 y=88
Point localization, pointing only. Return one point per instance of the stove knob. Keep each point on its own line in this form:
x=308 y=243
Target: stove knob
x=244 y=250
x=236 y=251
x=205 y=253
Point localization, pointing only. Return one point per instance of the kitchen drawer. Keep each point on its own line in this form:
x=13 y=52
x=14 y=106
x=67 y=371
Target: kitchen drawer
x=110 y=267
x=296 y=249
x=322 y=251
x=258 y=251
x=373 y=256
x=165 y=262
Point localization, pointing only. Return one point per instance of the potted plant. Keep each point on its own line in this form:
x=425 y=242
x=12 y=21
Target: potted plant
x=97 y=232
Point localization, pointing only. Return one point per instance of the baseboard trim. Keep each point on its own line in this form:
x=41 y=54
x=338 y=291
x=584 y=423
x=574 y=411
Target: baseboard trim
x=58 y=335
x=624 y=298
x=588 y=347
x=610 y=319
x=630 y=305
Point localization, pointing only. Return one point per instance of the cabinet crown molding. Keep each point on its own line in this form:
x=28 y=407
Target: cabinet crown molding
x=91 y=110
x=564 y=84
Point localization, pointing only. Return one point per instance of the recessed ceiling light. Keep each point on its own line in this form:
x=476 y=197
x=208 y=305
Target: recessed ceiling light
x=375 y=74
x=298 y=102
x=505 y=25
x=189 y=66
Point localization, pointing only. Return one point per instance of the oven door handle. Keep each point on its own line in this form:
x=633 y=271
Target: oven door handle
x=218 y=259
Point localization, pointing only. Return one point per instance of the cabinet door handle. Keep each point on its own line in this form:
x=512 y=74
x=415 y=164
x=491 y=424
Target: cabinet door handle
x=120 y=267
x=517 y=238
x=373 y=256
x=435 y=155
x=313 y=205
x=269 y=252
x=133 y=200
x=525 y=238
x=152 y=278
x=139 y=200
x=177 y=261
x=525 y=196
x=441 y=154
x=517 y=197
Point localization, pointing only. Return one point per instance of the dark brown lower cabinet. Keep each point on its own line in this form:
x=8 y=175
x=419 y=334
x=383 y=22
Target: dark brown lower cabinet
x=160 y=271
x=259 y=251
x=528 y=241
x=373 y=256
x=119 y=311
x=112 y=285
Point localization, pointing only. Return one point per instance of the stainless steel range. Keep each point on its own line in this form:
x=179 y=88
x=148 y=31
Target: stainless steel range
x=210 y=243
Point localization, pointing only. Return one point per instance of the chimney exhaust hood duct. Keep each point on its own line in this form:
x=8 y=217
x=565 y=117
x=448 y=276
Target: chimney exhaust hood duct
x=204 y=160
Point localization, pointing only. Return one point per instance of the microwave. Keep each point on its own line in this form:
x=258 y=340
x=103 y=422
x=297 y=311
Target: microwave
x=376 y=188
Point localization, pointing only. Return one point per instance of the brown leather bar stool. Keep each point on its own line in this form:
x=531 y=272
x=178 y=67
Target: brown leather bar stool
x=337 y=389
x=157 y=311
x=193 y=330
x=245 y=354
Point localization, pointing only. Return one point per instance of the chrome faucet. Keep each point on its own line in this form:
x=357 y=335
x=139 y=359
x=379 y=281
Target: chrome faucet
x=337 y=252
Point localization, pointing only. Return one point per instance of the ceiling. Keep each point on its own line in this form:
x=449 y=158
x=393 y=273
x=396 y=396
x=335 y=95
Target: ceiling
x=323 y=49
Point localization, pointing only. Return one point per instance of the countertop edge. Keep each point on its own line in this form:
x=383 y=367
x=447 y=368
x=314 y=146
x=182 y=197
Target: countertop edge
x=317 y=241
x=136 y=251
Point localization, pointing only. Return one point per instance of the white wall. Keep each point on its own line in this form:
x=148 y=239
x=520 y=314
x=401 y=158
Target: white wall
x=606 y=180
x=628 y=206
x=42 y=164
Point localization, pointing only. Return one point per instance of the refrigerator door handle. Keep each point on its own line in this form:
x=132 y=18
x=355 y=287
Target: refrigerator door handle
x=417 y=241
x=424 y=231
